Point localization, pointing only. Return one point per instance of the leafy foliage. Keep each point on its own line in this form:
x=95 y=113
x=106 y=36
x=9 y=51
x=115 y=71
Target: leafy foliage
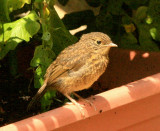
x=132 y=24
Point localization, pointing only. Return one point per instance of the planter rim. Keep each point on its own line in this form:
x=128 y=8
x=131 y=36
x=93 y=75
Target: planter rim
x=103 y=102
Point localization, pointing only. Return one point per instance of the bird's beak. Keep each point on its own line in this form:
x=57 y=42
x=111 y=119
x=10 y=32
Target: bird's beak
x=112 y=45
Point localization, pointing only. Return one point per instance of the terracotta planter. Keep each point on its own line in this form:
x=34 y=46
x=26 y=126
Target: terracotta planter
x=134 y=106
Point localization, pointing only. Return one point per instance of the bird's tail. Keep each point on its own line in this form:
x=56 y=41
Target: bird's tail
x=36 y=98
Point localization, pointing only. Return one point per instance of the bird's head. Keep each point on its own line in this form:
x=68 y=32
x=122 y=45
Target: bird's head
x=99 y=41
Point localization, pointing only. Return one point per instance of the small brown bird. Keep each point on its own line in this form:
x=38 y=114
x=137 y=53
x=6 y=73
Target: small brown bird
x=77 y=67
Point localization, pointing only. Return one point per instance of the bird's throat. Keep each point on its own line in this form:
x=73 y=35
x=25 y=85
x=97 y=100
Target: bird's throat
x=105 y=51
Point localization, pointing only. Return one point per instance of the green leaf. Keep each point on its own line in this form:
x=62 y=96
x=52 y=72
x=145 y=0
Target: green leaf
x=149 y=20
x=128 y=41
x=61 y=37
x=38 y=76
x=145 y=38
x=155 y=33
x=4 y=12
x=141 y=13
x=134 y=4
x=14 y=4
x=47 y=100
x=11 y=34
x=115 y=7
x=42 y=56
x=7 y=6
x=46 y=36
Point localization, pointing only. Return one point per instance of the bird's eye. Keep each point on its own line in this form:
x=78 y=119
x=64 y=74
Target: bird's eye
x=98 y=42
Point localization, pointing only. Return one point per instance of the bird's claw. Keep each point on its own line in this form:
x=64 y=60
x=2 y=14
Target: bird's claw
x=90 y=103
x=79 y=106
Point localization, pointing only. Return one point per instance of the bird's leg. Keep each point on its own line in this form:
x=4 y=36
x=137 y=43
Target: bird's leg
x=76 y=104
x=85 y=100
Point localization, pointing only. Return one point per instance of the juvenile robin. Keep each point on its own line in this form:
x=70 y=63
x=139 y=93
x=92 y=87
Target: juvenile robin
x=77 y=67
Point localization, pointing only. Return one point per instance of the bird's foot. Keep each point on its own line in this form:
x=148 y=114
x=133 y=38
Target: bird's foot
x=79 y=106
x=85 y=100
x=81 y=109
x=90 y=103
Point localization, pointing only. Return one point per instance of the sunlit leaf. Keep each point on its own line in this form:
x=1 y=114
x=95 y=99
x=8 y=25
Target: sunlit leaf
x=145 y=39
x=42 y=56
x=149 y=20
x=155 y=33
x=13 y=33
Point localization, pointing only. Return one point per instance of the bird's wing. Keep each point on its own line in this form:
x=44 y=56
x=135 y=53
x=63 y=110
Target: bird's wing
x=61 y=71
x=68 y=59
x=53 y=72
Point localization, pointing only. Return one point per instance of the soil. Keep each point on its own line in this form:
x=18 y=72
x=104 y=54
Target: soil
x=14 y=92
x=15 y=96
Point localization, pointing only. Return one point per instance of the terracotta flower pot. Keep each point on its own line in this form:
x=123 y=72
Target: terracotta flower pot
x=134 y=106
